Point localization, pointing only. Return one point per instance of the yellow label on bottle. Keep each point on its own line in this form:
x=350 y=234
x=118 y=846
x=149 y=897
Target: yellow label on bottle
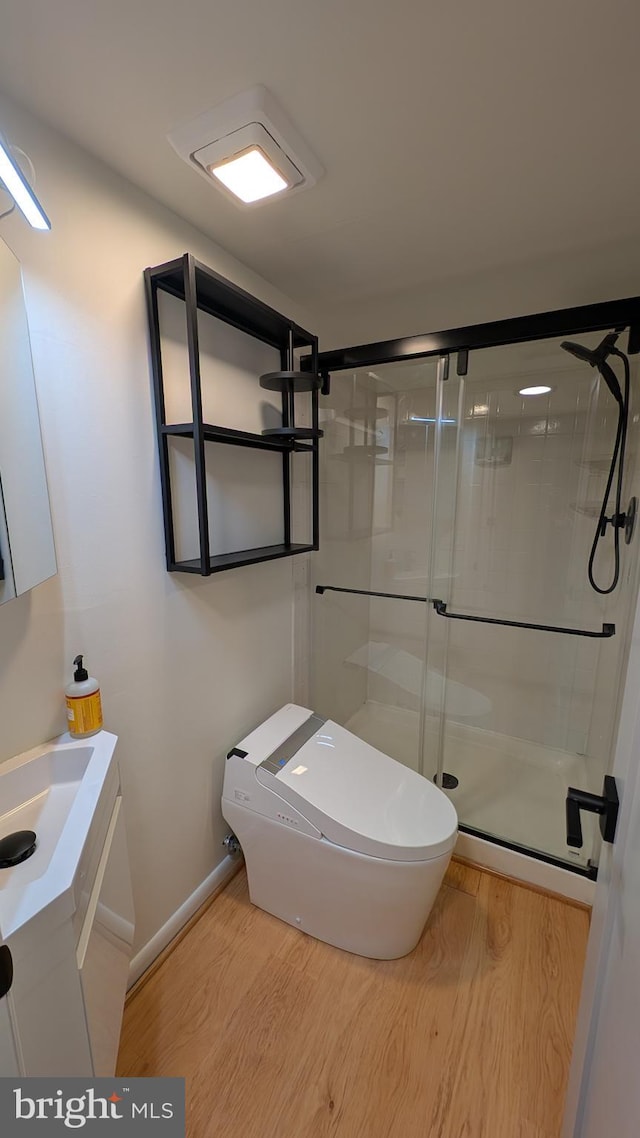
x=84 y=713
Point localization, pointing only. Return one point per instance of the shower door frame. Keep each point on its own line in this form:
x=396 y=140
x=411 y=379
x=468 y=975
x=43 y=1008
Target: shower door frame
x=621 y=314
x=515 y=330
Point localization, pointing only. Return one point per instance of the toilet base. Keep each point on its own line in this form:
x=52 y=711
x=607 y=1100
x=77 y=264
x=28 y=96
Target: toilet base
x=366 y=905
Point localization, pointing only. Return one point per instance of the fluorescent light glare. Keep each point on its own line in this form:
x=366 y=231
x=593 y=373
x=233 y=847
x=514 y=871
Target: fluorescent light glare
x=542 y=390
x=250 y=175
x=17 y=185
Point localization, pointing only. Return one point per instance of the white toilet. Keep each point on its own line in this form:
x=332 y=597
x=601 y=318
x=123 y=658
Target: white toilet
x=339 y=839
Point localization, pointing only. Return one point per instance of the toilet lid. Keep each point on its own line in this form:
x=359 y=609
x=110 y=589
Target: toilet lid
x=364 y=800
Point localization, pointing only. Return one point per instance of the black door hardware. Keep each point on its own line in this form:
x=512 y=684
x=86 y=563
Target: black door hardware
x=441 y=609
x=607 y=629
x=6 y=970
x=605 y=804
x=370 y=593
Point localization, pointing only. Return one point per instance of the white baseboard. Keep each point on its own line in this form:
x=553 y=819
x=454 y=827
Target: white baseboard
x=171 y=928
x=523 y=868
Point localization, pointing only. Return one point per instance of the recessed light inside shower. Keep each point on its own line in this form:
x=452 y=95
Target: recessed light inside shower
x=541 y=390
x=427 y=419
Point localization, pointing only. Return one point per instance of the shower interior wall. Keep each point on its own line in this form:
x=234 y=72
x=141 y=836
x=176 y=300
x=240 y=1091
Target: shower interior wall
x=485 y=499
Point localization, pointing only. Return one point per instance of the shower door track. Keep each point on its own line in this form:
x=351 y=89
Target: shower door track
x=440 y=607
x=538 y=326
x=589 y=870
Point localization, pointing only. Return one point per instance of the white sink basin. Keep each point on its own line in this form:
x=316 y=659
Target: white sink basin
x=53 y=790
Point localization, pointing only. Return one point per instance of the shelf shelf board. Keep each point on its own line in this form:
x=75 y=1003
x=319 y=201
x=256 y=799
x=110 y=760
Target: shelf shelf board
x=232 y=437
x=242 y=557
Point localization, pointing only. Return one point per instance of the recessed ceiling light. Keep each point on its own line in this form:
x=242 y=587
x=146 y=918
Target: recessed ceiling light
x=248 y=147
x=542 y=390
x=250 y=175
x=17 y=185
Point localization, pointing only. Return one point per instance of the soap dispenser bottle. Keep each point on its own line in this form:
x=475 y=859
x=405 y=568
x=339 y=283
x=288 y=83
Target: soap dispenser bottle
x=84 y=707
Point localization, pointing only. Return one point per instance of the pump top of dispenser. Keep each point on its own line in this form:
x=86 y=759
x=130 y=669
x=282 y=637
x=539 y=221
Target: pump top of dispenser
x=80 y=673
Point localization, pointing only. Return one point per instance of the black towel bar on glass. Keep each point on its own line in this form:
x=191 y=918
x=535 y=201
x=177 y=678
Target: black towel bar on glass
x=441 y=609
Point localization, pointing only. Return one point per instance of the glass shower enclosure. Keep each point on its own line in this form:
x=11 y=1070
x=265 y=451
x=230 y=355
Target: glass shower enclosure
x=448 y=494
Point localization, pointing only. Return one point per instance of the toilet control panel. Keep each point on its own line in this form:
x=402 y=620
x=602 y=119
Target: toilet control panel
x=290 y=747
x=274 y=806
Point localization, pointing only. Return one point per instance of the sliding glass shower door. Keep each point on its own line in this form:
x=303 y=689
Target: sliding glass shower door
x=368 y=656
x=458 y=496
x=526 y=712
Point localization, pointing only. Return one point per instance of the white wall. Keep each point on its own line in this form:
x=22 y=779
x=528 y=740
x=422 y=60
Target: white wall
x=187 y=665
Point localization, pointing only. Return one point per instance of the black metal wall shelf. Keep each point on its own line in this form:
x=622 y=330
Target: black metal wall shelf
x=201 y=289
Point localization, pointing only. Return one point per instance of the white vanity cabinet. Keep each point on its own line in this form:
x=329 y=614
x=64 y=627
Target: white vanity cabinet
x=104 y=948
x=68 y=922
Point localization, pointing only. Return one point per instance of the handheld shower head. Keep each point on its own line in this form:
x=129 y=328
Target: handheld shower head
x=579 y=351
x=597 y=357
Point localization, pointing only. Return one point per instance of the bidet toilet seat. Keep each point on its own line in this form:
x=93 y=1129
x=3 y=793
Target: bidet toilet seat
x=360 y=798
x=350 y=793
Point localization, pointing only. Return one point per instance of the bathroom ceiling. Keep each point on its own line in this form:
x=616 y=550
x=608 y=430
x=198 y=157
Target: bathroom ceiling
x=455 y=137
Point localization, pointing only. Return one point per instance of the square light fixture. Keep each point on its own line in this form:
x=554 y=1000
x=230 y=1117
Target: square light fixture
x=249 y=164
x=249 y=175
x=248 y=148
x=14 y=182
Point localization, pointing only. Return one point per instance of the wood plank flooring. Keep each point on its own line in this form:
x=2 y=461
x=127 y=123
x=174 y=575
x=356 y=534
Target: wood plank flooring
x=280 y=1036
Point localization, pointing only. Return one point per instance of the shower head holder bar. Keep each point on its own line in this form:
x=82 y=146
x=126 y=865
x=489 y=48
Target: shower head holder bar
x=440 y=608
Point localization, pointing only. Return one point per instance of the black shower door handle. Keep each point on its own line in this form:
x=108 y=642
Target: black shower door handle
x=442 y=610
x=607 y=629
x=606 y=805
